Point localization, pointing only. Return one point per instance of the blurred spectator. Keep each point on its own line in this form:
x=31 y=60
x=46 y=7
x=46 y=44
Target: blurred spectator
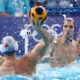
x=14 y=7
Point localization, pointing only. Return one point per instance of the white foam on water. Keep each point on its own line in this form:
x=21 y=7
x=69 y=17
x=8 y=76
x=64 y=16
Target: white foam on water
x=69 y=72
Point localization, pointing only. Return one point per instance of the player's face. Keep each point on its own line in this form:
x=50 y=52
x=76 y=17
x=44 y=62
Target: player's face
x=68 y=28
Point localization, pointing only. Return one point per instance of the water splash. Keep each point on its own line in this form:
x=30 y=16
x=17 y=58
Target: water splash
x=69 y=72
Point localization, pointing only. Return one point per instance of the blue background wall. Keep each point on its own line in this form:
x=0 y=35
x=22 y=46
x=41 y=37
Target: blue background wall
x=12 y=26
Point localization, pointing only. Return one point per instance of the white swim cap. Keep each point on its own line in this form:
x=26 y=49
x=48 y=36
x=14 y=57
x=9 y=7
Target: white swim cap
x=8 y=44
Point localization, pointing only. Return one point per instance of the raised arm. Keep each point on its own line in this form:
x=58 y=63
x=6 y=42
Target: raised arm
x=41 y=48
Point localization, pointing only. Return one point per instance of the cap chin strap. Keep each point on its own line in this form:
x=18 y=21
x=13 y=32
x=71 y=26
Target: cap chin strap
x=68 y=40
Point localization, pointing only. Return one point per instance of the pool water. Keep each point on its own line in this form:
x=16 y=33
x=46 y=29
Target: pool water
x=45 y=72
x=15 y=77
x=70 y=72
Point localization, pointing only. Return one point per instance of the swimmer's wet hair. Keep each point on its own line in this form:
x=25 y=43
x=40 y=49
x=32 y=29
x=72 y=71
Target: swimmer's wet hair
x=69 y=19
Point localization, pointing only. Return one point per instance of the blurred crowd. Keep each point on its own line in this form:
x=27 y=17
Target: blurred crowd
x=14 y=7
x=20 y=8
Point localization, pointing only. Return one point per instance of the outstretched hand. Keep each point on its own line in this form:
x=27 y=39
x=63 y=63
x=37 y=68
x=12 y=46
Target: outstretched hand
x=36 y=24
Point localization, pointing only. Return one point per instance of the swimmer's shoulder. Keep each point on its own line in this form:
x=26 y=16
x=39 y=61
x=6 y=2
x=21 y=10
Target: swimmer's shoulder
x=74 y=43
x=55 y=41
x=30 y=57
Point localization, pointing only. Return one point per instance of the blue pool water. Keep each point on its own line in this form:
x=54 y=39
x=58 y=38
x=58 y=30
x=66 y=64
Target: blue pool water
x=15 y=77
x=45 y=72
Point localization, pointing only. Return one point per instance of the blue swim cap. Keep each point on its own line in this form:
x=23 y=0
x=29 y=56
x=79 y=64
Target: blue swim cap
x=8 y=53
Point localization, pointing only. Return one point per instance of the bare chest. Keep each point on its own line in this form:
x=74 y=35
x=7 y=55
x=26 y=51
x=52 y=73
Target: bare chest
x=64 y=50
x=63 y=54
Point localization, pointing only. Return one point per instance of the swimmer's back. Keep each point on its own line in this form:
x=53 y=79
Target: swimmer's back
x=28 y=62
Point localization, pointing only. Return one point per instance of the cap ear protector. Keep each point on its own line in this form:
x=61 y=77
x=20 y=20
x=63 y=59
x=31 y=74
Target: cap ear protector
x=6 y=45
